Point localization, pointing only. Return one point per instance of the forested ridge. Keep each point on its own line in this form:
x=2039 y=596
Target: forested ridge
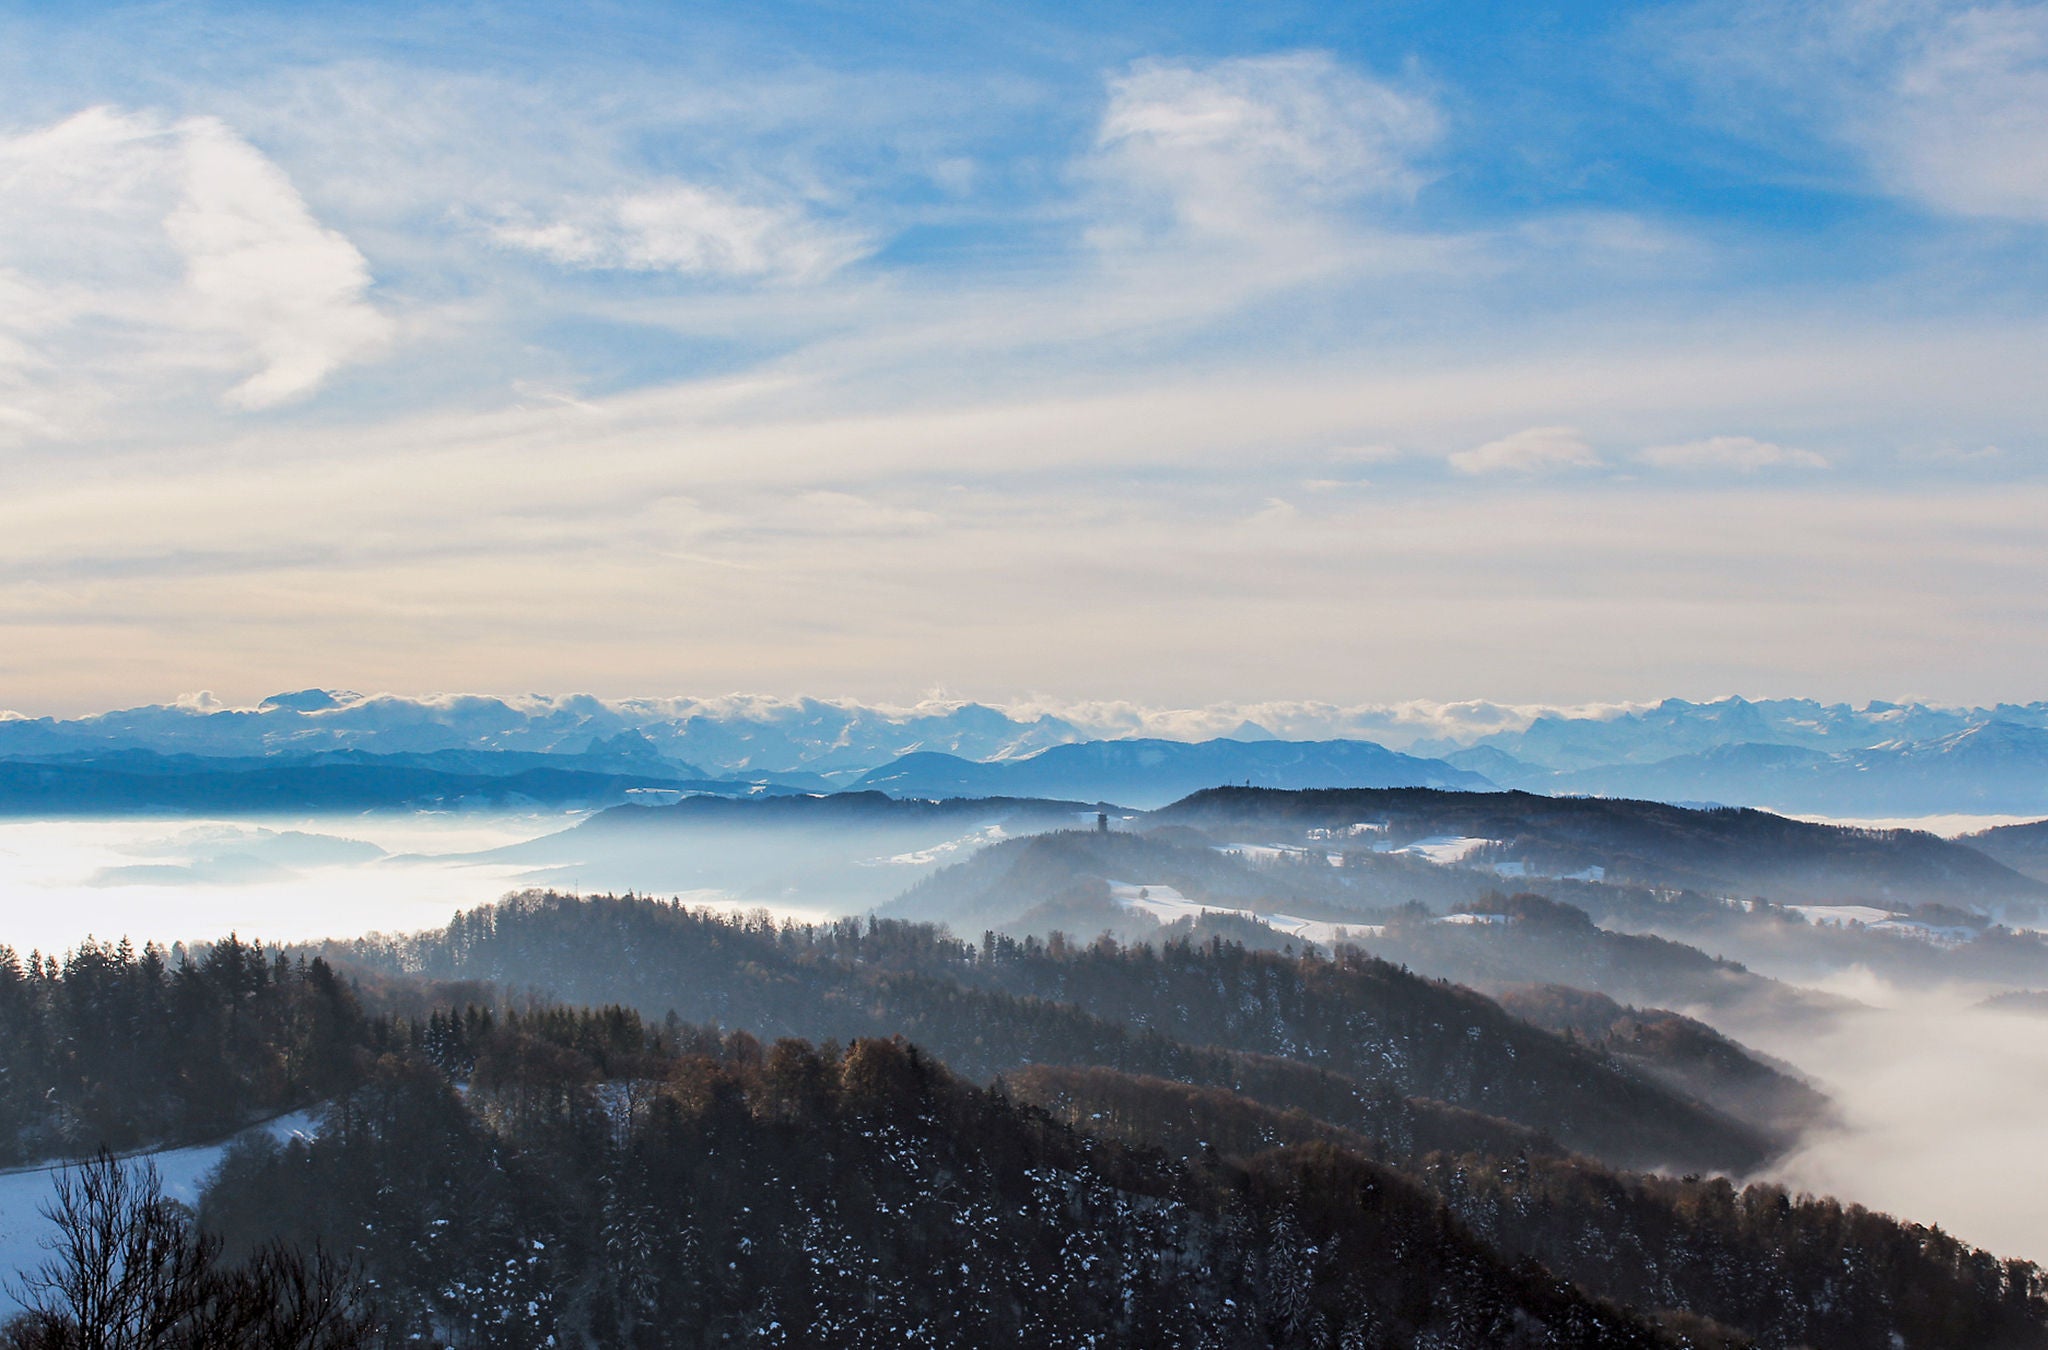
x=792 y=1194
x=1167 y=1009
x=1790 y=1270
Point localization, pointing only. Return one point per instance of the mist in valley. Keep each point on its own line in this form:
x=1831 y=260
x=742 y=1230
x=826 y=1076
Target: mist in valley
x=306 y=878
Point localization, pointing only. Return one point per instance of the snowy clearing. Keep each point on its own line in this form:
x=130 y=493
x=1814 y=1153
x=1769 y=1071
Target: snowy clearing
x=1884 y=921
x=24 y=1191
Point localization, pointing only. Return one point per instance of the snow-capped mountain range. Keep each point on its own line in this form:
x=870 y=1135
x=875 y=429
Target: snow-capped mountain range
x=1787 y=754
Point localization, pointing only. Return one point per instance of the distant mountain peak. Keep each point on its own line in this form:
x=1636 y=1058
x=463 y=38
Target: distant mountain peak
x=310 y=700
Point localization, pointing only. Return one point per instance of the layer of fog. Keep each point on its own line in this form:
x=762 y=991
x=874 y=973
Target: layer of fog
x=1941 y=1108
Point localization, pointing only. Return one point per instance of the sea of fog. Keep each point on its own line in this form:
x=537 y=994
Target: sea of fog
x=276 y=879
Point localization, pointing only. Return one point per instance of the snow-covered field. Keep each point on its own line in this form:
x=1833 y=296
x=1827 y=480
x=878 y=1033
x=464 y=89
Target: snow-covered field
x=952 y=850
x=1437 y=849
x=1443 y=848
x=24 y=1192
x=1168 y=905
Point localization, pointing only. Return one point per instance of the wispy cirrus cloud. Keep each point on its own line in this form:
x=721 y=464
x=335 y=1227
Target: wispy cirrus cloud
x=1945 y=103
x=1236 y=147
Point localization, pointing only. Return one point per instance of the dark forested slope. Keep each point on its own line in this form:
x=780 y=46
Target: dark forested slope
x=861 y=1198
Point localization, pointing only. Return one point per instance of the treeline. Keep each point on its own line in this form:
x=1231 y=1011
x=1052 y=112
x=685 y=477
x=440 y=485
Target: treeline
x=117 y=1047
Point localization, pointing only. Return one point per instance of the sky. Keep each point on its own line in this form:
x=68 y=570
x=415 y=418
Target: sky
x=1181 y=354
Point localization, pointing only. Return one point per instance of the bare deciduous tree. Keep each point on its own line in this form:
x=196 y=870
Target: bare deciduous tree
x=129 y=1270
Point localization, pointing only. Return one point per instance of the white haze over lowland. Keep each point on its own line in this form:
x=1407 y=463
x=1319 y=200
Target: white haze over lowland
x=276 y=880
x=303 y=879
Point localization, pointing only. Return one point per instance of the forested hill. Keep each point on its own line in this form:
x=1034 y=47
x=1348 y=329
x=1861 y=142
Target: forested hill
x=126 y=1047
x=2024 y=848
x=1723 y=849
x=1371 y=1033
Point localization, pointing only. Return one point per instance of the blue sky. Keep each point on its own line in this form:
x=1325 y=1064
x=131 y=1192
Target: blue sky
x=1174 y=353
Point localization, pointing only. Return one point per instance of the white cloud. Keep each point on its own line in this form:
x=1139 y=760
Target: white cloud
x=1535 y=450
x=1238 y=145
x=1744 y=454
x=131 y=244
x=697 y=231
